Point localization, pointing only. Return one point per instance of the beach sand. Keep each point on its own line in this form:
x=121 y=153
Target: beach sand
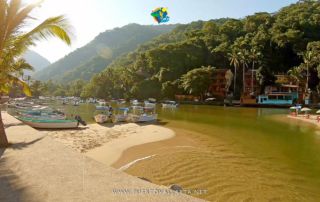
x=37 y=168
x=302 y=118
x=106 y=144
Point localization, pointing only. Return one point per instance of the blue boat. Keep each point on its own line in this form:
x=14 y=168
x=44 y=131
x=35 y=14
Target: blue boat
x=284 y=95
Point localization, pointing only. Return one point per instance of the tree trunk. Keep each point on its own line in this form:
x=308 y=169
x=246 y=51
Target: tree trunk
x=252 y=78
x=3 y=137
x=243 y=79
x=235 y=80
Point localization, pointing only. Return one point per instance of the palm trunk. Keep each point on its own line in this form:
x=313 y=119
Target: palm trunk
x=243 y=79
x=307 y=85
x=235 y=80
x=3 y=137
x=252 y=77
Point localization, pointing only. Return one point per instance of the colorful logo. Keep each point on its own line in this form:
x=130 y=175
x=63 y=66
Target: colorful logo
x=160 y=15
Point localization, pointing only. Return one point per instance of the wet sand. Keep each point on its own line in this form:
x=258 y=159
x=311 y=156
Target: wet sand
x=107 y=143
x=311 y=120
x=182 y=139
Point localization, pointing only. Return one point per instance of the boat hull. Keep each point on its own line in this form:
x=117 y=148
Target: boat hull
x=101 y=118
x=51 y=124
x=142 y=118
x=169 y=105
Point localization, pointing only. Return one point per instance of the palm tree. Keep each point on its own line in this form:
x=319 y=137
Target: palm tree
x=254 y=56
x=14 y=41
x=295 y=73
x=243 y=55
x=234 y=61
x=307 y=58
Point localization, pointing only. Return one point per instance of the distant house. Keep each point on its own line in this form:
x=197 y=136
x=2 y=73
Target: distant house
x=285 y=91
x=251 y=83
x=289 y=84
x=218 y=87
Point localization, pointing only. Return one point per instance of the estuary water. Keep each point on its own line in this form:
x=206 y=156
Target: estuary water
x=242 y=154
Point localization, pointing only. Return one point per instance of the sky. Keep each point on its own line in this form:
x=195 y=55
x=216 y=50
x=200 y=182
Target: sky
x=91 y=17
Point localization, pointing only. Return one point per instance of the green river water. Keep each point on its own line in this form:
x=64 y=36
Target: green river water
x=244 y=154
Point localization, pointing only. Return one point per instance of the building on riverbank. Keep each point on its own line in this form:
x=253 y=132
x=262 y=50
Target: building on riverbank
x=286 y=91
x=218 y=87
x=251 y=88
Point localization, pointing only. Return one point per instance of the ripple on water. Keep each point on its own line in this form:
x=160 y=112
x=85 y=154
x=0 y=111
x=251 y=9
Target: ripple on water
x=226 y=175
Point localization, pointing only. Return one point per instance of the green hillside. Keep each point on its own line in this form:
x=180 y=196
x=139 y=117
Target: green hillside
x=37 y=61
x=96 y=55
x=272 y=43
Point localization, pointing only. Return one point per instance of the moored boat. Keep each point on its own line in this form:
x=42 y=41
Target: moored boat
x=121 y=115
x=50 y=124
x=102 y=105
x=151 y=102
x=170 y=104
x=142 y=114
x=101 y=118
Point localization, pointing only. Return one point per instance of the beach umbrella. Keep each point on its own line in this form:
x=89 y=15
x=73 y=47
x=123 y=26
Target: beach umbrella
x=305 y=109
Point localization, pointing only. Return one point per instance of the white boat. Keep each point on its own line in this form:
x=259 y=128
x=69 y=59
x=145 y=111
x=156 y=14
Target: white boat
x=142 y=114
x=50 y=124
x=102 y=105
x=120 y=115
x=41 y=116
x=133 y=118
x=170 y=104
x=101 y=118
x=121 y=101
x=135 y=102
x=151 y=102
x=75 y=103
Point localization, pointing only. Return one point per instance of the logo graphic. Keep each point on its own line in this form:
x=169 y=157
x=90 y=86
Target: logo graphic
x=160 y=15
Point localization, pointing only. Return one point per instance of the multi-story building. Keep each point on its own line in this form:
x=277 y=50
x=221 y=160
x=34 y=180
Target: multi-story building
x=218 y=87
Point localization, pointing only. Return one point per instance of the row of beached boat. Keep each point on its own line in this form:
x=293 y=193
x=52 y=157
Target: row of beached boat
x=101 y=104
x=132 y=114
x=38 y=114
x=43 y=117
x=138 y=112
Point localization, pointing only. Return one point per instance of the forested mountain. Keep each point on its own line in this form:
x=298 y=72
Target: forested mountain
x=271 y=43
x=37 y=61
x=96 y=55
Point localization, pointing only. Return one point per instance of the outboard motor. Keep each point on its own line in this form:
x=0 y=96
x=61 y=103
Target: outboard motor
x=79 y=119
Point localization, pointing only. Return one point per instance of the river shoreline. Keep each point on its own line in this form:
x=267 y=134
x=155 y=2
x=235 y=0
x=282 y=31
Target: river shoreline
x=311 y=120
x=37 y=168
x=106 y=144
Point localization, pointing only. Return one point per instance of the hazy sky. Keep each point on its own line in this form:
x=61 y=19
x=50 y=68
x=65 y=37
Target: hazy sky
x=90 y=17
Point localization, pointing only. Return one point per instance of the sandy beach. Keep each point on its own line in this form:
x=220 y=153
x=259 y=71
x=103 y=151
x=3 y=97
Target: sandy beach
x=106 y=144
x=37 y=168
x=311 y=120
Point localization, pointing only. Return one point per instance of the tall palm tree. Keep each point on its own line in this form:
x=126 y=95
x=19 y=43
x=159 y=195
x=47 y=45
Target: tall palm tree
x=235 y=62
x=296 y=74
x=307 y=58
x=254 y=55
x=243 y=55
x=14 y=41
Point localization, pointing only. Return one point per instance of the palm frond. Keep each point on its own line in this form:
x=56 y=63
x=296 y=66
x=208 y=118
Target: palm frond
x=16 y=17
x=51 y=27
x=9 y=80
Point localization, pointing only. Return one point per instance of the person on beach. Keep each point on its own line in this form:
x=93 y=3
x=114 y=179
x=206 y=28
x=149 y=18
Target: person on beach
x=110 y=111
